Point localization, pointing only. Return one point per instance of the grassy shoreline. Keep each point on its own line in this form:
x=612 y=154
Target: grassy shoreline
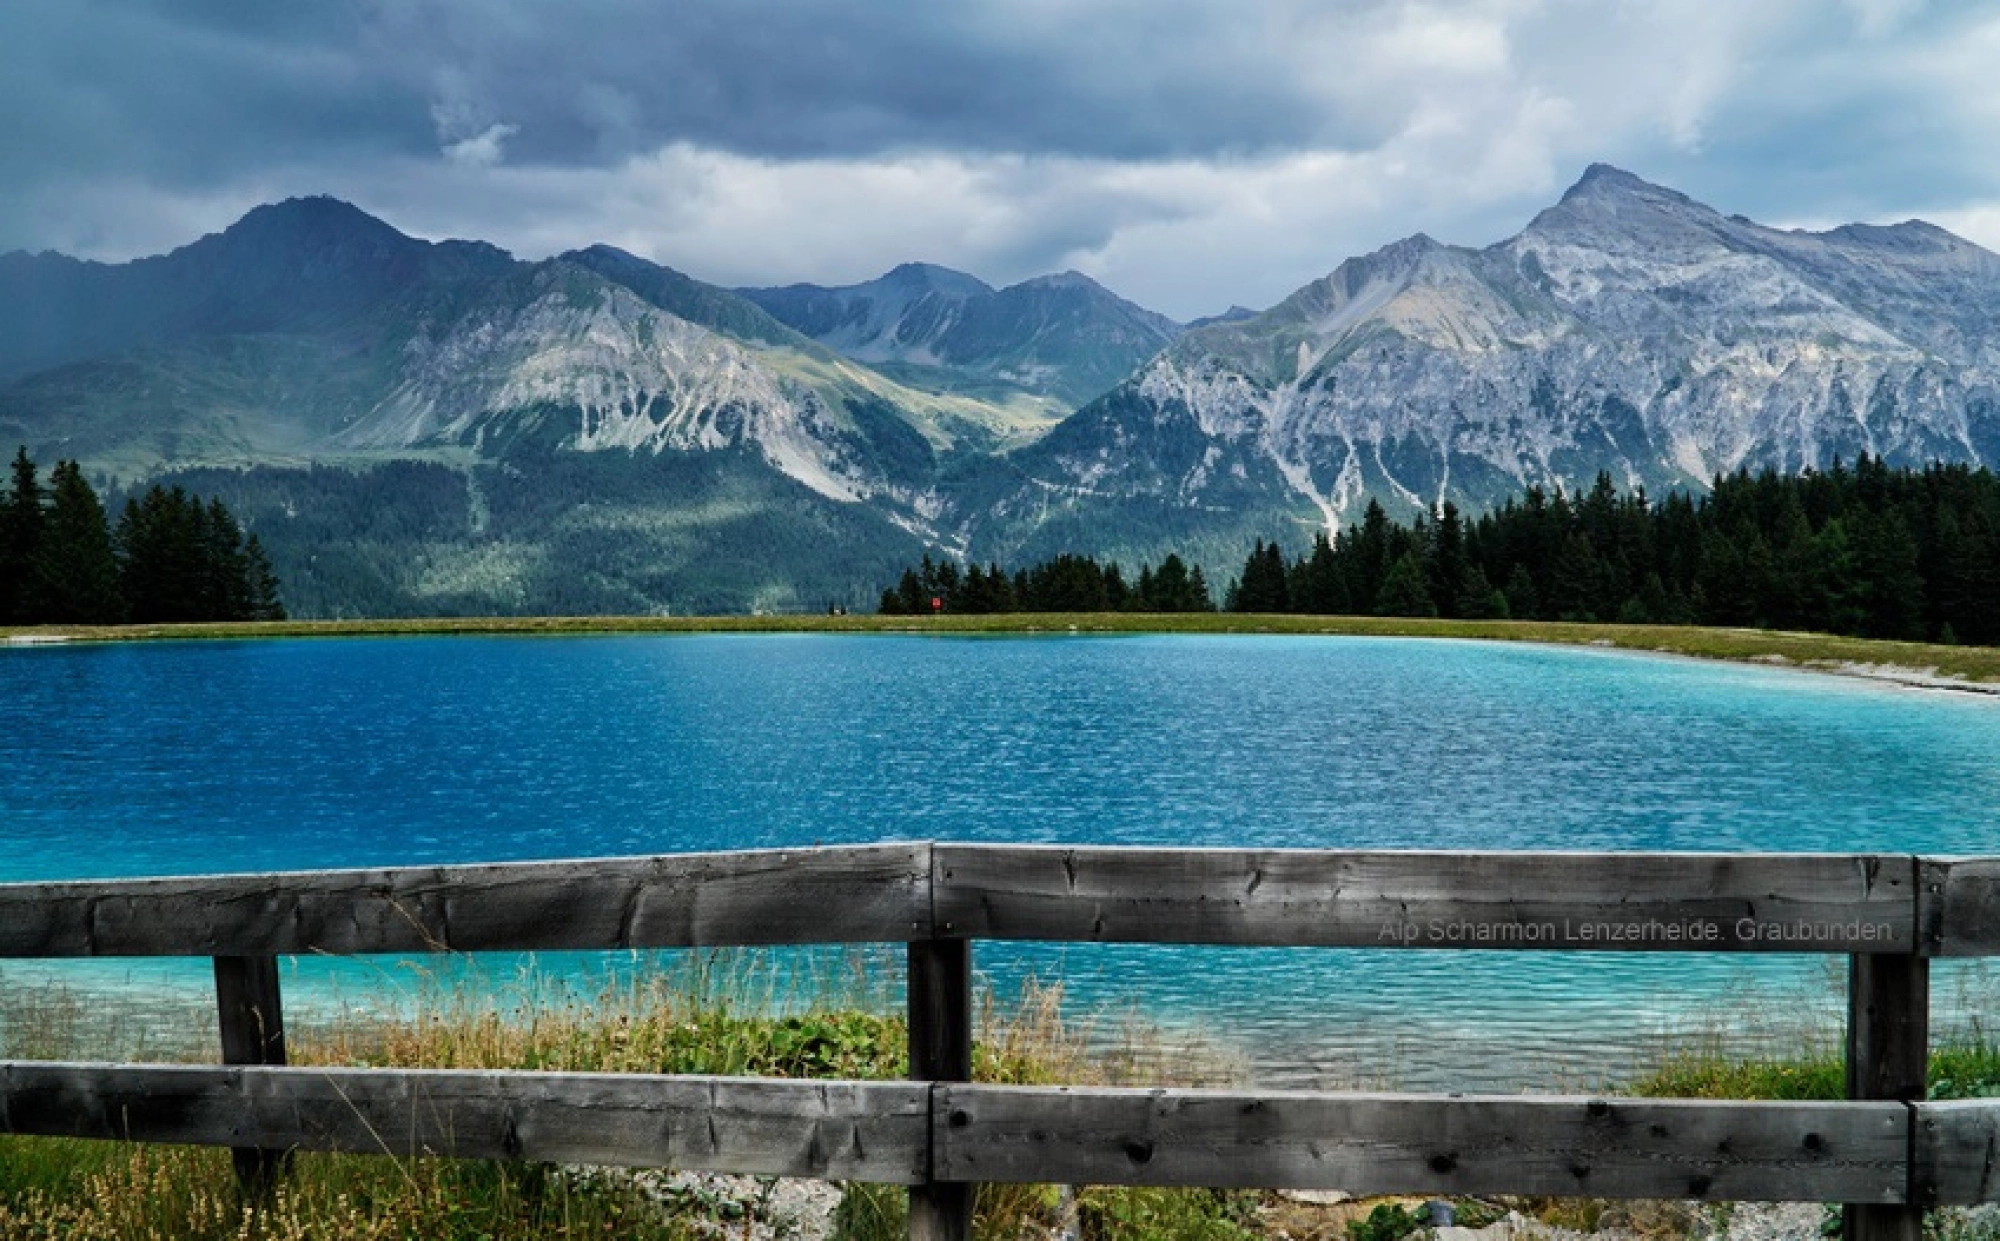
x=1915 y=662
x=52 y=1188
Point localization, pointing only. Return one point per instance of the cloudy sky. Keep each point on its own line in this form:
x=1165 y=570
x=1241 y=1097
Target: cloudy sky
x=1188 y=153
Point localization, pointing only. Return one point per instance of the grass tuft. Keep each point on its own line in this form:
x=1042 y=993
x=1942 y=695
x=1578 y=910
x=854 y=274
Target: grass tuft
x=722 y=1014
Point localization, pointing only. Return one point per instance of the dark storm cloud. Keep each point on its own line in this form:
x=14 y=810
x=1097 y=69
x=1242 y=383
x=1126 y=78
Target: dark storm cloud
x=189 y=90
x=185 y=93
x=793 y=78
x=1191 y=153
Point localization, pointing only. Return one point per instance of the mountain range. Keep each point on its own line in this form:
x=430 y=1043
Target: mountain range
x=419 y=427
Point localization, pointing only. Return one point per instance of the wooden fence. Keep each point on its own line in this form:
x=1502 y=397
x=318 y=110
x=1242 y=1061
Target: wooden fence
x=1885 y=1151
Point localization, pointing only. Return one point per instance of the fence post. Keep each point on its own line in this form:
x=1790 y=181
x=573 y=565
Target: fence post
x=940 y=1018
x=1888 y=1057
x=252 y=1024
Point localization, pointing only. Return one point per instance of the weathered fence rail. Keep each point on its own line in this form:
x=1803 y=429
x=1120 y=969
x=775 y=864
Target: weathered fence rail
x=1885 y=1151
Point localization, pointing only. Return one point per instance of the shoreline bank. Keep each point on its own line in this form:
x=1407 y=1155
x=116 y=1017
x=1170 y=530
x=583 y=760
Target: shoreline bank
x=1912 y=664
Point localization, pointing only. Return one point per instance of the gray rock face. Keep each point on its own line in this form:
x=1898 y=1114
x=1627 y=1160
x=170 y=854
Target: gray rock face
x=1627 y=329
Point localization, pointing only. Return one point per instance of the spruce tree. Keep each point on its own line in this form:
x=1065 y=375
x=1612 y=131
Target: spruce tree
x=1173 y=589
x=21 y=522
x=1406 y=590
x=1892 y=587
x=1524 y=601
x=262 y=583
x=76 y=570
x=1322 y=590
x=1448 y=564
x=161 y=538
x=1198 y=592
x=1262 y=587
x=225 y=586
x=1371 y=558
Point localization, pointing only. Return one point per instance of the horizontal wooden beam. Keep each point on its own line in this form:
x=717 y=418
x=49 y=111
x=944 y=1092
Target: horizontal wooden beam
x=1647 y=902
x=1959 y=906
x=1871 y=904
x=865 y=1131
x=856 y=894
x=1427 y=1144
x=1956 y=1152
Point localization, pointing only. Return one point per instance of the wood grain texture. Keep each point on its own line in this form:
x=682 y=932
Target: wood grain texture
x=1427 y=1144
x=1965 y=905
x=867 y=1131
x=940 y=1033
x=250 y=1014
x=859 y=894
x=1601 y=901
x=1888 y=1028
x=1955 y=1152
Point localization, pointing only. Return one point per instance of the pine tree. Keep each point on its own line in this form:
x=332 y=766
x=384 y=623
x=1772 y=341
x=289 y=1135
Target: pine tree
x=1198 y=592
x=76 y=569
x=1406 y=590
x=21 y=522
x=158 y=557
x=1173 y=589
x=1476 y=598
x=262 y=583
x=1262 y=587
x=225 y=585
x=1524 y=601
x=1322 y=590
x=1371 y=558
x=1448 y=564
x=1892 y=587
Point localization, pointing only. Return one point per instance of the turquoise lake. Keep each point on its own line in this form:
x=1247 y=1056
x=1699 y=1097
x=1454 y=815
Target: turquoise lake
x=154 y=759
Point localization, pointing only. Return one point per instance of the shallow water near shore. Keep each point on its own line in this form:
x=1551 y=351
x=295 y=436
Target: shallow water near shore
x=297 y=754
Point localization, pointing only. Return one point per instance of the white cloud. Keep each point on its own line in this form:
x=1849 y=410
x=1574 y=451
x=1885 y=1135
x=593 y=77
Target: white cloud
x=1186 y=237
x=1246 y=149
x=483 y=149
x=1979 y=224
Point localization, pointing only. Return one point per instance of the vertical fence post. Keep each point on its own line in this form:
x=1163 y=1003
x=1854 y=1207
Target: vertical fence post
x=940 y=1017
x=1888 y=1057
x=252 y=1025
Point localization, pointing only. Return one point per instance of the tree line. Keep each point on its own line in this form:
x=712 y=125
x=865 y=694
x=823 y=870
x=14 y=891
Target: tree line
x=1067 y=583
x=170 y=557
x=1868 y=551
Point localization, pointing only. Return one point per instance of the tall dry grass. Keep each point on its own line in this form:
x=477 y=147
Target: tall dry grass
x=737 y=1012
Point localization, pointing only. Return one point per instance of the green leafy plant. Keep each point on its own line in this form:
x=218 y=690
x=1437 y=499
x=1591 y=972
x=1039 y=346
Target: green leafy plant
x=1389 y=1221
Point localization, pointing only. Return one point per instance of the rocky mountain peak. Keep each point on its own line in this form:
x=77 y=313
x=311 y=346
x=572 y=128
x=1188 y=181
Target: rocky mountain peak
x=316 y=226
x=1611 y=217
x=930 y=277
x=1600 y=180
x=1070 y=279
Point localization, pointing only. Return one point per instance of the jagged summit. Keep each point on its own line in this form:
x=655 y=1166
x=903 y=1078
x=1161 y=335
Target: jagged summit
x=1627 y=329
x=1601 y=178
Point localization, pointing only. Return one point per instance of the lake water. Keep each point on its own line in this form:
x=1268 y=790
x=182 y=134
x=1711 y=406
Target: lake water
x=227 y=756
